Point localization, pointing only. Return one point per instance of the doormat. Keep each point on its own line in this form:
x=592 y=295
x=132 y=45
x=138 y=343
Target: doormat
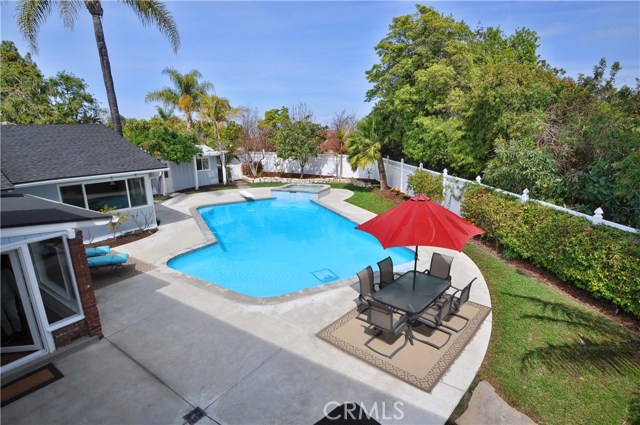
x=419 y=364
x=27 y=384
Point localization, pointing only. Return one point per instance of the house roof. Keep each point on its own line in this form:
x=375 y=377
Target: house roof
x=5 y=184
x=18 y=210
x=34 y=153
x=207 y=151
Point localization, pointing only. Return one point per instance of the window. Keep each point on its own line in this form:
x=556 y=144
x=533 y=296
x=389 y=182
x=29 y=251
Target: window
x=202 y=164
x=56 y=286
x=73 y=195
x=137 y=194
x=116 y=194
x=112 y=194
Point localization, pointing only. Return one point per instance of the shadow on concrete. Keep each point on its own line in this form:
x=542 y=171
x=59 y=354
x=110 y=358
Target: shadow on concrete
x=168 y=215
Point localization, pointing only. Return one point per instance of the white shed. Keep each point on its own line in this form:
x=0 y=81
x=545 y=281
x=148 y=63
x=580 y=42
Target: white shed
x=206 y=168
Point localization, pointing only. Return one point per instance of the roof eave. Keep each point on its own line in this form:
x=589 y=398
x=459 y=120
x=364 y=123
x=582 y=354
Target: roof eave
x=93 y=177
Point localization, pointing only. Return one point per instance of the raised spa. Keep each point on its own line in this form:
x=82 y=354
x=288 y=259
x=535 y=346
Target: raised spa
x=296 y=191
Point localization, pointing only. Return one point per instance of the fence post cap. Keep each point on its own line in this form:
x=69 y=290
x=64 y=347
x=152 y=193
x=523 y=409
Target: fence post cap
x=598 y=211
x=479 y=179
x=444 y=171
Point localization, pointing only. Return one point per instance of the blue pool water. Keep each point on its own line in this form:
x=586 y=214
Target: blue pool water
x=274 y=247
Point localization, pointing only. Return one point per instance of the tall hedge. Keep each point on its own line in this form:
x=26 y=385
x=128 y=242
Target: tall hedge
x=603 y=260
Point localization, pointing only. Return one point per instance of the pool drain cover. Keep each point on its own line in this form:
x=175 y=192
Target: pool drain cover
x=325 y=275
x=194 y=416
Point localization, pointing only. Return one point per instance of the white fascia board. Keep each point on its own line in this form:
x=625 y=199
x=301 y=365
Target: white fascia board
x=68 y=227
x=83 y=179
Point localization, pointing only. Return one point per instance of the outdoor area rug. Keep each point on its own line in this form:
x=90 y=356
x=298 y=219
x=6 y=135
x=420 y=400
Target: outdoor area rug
x=419 y=364
x=29 y=383
x=104 y=276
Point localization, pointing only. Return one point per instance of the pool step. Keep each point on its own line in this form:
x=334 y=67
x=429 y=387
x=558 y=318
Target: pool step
x=325 y=275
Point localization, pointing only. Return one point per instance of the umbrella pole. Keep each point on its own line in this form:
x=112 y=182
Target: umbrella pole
x=415 y=268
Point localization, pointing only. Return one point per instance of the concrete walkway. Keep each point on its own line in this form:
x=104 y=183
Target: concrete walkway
x=173 y=343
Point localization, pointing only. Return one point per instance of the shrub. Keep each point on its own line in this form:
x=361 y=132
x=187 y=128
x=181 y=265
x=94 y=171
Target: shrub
x=427 y=184
x=246 y=170
x=603 y=260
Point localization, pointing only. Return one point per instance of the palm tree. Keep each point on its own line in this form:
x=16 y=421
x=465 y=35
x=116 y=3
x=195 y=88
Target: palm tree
x=217 y=111
x=365 y=147
x=31 y=14
x=185 y=94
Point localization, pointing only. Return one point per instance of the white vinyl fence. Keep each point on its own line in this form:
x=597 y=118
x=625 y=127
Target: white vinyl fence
x=397 y=176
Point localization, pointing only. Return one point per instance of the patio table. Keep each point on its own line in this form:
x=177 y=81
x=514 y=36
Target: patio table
x=401 y=296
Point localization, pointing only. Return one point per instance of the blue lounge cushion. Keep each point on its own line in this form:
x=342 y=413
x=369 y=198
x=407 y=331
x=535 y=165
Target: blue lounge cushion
x=107 y=260
x=98 y=250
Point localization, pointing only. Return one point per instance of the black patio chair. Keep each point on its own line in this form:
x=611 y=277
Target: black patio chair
x=457 y=302
x=433 y=318
x=383 y=319
x=365 y=277
x=386 y=272
x=440 y=266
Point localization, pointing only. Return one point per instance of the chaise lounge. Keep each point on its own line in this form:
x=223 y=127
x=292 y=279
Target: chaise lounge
x=101 y=256
x=107 y=260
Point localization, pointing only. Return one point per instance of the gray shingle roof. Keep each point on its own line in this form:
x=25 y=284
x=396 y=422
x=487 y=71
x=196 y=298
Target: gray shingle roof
x=20 y=210
x=5 y=184
x=33 y=153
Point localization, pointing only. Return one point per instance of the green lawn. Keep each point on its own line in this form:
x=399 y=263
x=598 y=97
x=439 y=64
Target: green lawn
x=550 y=357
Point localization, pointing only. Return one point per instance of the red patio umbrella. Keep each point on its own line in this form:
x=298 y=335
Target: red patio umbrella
x=420 y=222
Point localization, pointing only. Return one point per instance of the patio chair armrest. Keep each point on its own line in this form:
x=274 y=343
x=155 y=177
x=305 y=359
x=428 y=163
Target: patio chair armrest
x=427 y=271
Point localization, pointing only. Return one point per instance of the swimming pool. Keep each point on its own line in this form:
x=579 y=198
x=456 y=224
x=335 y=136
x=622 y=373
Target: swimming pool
x=274 y=247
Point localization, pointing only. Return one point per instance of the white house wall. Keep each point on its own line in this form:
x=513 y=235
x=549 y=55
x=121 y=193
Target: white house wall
x=210 y=176
x=46 y=191
x=180 y=176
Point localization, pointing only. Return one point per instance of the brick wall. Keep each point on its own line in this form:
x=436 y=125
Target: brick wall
x=90 y=326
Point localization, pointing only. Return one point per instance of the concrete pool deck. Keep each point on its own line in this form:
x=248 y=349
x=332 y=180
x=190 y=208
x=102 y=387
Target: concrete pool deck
x=173 y=343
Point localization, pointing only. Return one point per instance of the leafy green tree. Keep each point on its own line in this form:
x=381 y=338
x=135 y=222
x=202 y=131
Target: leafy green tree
x=299 y=141
x=592 y=134
x=231 y=134
x=493 y=46
x=71 y=102
x=185 y=94
x=506 y=101
x=31 y=14
x=365 y=147
x=161 y=139
x=217 y=113
x=29 y=98
x=521 y=165
x=273 y=120
x=424 y=61
x=22 y=88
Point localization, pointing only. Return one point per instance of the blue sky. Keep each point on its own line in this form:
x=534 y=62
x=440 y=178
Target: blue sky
x=271 y=54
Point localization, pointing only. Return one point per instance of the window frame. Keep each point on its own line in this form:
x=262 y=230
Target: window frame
x=71 y=285
x=126 y=184
x=199 y=162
